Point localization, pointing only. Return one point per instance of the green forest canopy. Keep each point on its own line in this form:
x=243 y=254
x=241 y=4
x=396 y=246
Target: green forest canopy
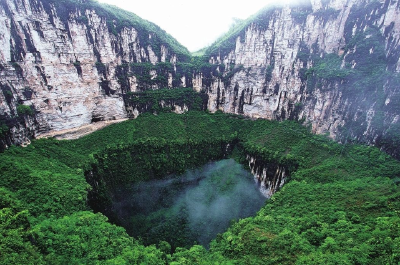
x=340 y=206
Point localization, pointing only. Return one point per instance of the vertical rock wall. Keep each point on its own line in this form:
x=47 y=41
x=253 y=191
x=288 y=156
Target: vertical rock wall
x=334 y=64
x=308 y=62
x=68 y=66
x=270 y=176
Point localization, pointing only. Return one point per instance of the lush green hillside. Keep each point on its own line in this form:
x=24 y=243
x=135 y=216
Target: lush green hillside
x=341 y=205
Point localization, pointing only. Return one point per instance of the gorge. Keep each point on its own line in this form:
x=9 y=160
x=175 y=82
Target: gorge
x=289 y=94
x=333 y=64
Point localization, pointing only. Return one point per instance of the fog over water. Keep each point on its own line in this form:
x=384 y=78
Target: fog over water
x=191 y=208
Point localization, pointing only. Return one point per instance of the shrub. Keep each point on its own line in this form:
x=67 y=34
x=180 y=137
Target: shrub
x=24 y=110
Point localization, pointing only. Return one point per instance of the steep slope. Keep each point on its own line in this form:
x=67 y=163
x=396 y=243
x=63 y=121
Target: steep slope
x=67 y=63
x=334 y=64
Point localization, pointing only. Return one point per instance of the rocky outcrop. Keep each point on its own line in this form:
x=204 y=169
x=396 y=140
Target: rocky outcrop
x=269 y=176
x=334 y=64
x=70 y=62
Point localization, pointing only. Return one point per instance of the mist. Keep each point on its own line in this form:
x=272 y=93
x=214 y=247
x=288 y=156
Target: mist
x=188 y=209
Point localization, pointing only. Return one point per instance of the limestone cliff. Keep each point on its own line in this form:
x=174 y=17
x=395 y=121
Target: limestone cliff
x=270 y=176
x=334 y=64
x=64 y=64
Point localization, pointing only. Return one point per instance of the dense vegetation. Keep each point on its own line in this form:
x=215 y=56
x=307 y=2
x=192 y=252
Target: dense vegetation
x=166 y=100
x=341 y=205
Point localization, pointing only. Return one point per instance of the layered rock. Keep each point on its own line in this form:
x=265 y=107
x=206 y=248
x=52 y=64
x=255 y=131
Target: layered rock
x=334 y=64
x=67 y=63
x=306 y=62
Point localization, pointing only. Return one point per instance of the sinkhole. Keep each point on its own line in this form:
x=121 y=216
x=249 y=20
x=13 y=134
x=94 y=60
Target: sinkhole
x=183 y=210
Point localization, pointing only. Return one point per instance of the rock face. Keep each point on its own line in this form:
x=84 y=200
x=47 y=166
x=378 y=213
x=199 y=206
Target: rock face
x=270 y=176
x=64 y=65
x=334 y=64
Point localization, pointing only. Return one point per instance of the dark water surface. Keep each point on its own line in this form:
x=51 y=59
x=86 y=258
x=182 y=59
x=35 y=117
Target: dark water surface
x=188 y=209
